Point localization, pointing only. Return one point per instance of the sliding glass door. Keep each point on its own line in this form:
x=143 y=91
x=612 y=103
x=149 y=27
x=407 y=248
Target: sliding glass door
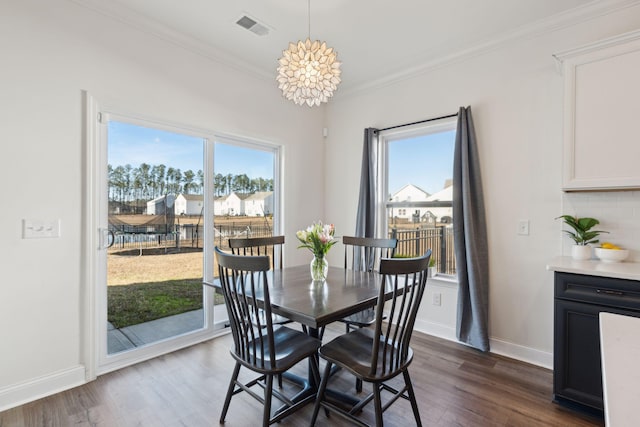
x=166 y=195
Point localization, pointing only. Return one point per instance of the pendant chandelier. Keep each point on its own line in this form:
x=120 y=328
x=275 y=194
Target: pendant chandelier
x=308 y=72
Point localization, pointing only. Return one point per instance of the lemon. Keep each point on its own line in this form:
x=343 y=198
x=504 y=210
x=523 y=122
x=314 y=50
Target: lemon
x=607 y=245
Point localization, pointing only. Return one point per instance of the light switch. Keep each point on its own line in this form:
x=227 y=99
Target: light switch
x=40 y=229
x=523 y=227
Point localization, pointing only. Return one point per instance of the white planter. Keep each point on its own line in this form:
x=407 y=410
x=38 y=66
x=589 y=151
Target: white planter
x=581 y=252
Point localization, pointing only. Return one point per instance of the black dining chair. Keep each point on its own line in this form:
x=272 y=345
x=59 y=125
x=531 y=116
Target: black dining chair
x=262 y=246
x=364 y=254
x=270 y=246
x=265 y=349
x=259 y=246
x=379 y=355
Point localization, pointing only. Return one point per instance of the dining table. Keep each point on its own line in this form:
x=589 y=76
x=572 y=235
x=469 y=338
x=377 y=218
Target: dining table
x=316 y=304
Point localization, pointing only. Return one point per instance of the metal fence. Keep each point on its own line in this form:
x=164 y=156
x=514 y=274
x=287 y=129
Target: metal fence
x=417 y=241
x=186 y=235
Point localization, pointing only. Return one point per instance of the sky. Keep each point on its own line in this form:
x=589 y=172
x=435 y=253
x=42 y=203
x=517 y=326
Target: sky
x=425 y=161
x=133 y=144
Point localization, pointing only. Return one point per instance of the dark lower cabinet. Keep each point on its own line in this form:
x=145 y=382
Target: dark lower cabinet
x=579 y=299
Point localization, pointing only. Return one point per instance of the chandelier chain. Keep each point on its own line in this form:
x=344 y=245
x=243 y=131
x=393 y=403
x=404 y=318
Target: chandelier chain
x=309 y=19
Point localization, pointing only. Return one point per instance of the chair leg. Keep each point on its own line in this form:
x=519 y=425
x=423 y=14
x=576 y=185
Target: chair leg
x=268 y=392
x=320 y=395
x=412 y=397
x=358 y=385
x=232 y=385
x=280 y=380
x=377 y=402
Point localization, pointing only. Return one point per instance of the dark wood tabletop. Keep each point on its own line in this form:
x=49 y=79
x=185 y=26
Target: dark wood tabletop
x=314 y=304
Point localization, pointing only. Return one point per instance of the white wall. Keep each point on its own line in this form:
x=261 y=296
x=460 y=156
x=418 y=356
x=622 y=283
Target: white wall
x=515 y=92
x=52 y=50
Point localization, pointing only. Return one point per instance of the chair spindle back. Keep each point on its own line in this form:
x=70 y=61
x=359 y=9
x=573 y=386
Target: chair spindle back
x=260 y=246
x=365 y=253
x=244 y=280
x=407 y=277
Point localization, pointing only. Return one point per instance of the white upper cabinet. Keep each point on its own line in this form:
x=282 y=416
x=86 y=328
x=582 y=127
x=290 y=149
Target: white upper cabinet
x=602 y=115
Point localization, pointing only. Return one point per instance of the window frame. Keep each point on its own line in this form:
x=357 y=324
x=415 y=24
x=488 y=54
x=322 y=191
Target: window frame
x=96 y=117
x=386 y=137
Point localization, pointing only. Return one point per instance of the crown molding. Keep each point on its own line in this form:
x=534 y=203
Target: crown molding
x=592 y=10
x=600 y=44
x=151 y=27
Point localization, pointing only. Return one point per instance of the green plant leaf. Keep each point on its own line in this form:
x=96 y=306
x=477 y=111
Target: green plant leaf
x=582 y=226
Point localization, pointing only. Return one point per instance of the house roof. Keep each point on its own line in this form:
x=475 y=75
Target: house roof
x=195 y=197
x=409 y=186
x=259 y=195
x=444 y=195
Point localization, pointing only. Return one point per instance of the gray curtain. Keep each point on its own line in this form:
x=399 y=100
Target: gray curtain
x=470 y=238
x=367 y=201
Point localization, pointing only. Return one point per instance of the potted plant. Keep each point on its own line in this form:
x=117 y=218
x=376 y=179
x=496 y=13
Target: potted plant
x=582 y=235
x=432 y=268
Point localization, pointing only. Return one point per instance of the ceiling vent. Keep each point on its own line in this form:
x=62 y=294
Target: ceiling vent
x=253 y=25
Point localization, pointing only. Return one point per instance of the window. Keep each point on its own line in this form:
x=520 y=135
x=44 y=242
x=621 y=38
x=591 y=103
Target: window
x=418 y=172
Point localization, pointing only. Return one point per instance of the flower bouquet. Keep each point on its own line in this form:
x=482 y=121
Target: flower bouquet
x=318 y=238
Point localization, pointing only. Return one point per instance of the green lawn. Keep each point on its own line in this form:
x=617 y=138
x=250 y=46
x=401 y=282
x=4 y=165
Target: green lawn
x=143 y=302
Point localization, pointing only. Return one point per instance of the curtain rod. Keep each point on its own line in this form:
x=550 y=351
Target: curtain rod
x=415 y=123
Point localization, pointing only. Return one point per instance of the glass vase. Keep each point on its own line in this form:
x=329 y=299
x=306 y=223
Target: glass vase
x=319 y=267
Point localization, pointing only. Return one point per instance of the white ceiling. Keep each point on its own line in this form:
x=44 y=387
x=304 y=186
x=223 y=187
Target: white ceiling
x=376 y=40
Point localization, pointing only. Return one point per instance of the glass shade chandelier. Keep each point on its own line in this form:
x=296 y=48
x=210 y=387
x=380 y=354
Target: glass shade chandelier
x=308 y=72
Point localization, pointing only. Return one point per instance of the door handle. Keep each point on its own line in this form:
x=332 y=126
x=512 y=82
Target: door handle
x=107 y=238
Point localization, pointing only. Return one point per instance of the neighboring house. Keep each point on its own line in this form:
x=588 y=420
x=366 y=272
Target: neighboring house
x=218 y=205
x=409 y=193
x=431 y=215
x=441 y=215
x=232 y=205
x=189 y=204
x=160 y=205
x=259 y=203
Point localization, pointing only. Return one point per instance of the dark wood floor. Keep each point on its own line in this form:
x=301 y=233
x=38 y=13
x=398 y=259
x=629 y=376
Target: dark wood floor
x=455 y=386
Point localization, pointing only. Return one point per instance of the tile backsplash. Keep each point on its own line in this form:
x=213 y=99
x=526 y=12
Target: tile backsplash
x=618 y=213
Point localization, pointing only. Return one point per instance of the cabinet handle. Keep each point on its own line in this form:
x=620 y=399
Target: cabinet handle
x=610 y=292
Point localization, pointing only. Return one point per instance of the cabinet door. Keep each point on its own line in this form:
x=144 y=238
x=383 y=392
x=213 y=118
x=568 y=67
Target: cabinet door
x=600 y=115
x=577 y=370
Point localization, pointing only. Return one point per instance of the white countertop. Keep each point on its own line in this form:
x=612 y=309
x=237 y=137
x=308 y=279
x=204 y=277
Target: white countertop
x=620 y=352
x=619 y=270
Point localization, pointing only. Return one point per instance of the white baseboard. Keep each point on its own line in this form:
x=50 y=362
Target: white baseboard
x=439 y=330
x=503 y=348
x=524 y=354
x=18 y=394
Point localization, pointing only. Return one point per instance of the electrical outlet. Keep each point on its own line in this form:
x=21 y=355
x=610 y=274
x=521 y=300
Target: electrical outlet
x=437 y=298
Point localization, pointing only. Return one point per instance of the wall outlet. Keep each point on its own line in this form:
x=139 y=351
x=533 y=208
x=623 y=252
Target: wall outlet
x=436 y=298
